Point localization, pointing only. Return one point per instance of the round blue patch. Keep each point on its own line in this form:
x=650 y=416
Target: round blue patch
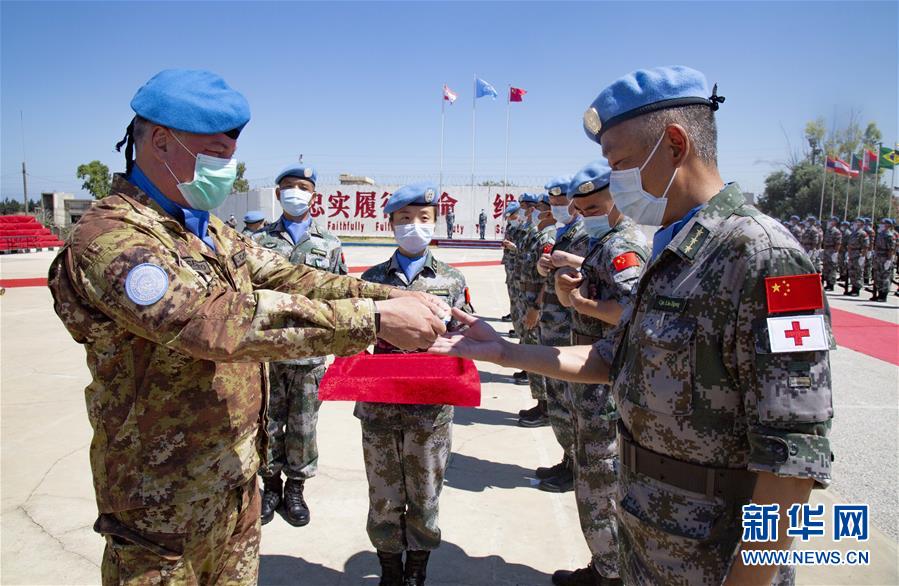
x=146 y=284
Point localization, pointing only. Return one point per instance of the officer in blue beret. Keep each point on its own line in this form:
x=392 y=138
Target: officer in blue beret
x=253 y=220
x=700 y=368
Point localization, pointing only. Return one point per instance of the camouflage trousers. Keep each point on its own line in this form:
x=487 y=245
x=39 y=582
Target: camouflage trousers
x=869 y=257
x=292 y=419
x=595 y=472
x=844 y=266
x=405 y=470
x=214 y=540
x=882 y=272
x=830 y=266
x=856 y=269
x=555 y=330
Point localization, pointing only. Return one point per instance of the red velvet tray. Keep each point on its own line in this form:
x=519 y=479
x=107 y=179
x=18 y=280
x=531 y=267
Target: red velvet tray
x=408 y=379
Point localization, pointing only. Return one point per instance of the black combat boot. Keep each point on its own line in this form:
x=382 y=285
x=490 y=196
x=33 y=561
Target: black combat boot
x=562 y=482
x=537 y=418
x=296 y=512
x=512 y=334
x=875 y=296
x=854 y=292
x=416 y=568
x=544 y=472
x=527 y=412
x=391 y=568
x=520 y=377
x=583 y=577
x=829 y=287
x=507 y=317
x=271 y=497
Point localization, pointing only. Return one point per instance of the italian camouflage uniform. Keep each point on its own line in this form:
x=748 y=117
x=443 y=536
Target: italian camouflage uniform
x=555 y=330
x=704 y=402
x=595 y=415
x=293 y=398
x=178 y=384
x=531 y=285
x=406 y=448
x=884 y=253
x=856 y=248
x=833 y=239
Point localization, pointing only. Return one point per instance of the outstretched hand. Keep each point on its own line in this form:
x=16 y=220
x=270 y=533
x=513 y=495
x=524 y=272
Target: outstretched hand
x=478 y=342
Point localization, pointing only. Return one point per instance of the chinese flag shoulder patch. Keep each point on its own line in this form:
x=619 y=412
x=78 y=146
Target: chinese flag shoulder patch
x=547 y=248
x=625 y=261
x=794 y=293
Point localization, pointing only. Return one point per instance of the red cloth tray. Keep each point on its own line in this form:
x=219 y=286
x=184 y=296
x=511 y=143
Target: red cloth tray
x=407 y=379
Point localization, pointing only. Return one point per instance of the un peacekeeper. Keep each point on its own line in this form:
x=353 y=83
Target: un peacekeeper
x=856 y=248
x=252 y=221
x=810 y=239
x=482 y=224
x=832 y=242
x=450 y=221
x=555 y=330
x=846 y=231
x=539 y=239
x=796 y=228
x=293 y=399
x=232 y=221
x=177 y=313
x=527 y=229
x=884 y=251
x=510 y=215
x=407 y=447
x=598 y=288
x=716 y=410
x=869 y=253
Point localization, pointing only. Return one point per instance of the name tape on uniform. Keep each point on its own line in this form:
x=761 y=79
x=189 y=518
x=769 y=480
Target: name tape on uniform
x=801 y=333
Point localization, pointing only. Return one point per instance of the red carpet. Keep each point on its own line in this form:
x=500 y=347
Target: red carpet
x=874 y=337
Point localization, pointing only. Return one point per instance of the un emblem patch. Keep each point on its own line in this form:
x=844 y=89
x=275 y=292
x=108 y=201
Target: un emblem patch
x=146 y=284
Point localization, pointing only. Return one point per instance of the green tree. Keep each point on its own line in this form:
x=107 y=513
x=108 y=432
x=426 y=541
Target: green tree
x=241 y=185
x=872 y=136
x=97 y=179
x=815 y=132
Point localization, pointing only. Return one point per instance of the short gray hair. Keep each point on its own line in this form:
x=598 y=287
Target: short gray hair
x=697 y=120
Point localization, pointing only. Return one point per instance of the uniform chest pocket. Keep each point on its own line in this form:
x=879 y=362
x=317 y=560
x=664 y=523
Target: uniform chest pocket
x=664 y=364
x=317 y=261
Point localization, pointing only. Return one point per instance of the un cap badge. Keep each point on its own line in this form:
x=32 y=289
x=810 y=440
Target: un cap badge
x=585 y=187
x=429 y=196
x=591 y=121
x=555 y=191
x=307 y=172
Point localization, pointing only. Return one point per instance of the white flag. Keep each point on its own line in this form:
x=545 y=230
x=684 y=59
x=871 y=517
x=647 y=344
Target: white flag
x=448 y=94
x=801 y=333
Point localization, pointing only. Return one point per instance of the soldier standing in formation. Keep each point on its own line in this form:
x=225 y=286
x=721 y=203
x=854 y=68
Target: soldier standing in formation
x=178 y=313
x=450 y=221
x=511 y=228
x=293 y=399
x=831 y=243
x=869 y=253
x=846 y=232
x=796 y=228
x=698 y=325
x=482 y=224
x=406 y=447
x=884 y=254
x=856 y=249
x=252 y=221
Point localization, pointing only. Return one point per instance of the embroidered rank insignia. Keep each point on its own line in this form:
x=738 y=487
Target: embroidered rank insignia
x=694 y=240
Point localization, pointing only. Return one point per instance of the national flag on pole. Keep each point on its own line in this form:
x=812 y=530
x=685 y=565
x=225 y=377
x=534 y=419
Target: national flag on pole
x=840 y=167
x=889 y=158
x=482 y=88
x=794 y=293
x=448 y=94
x=516 y=94
x=870 y=157
x=861 y=164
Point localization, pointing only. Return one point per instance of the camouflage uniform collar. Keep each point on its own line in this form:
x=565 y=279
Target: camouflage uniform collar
x=141 y=201
x=695 y=233
x=394 y=266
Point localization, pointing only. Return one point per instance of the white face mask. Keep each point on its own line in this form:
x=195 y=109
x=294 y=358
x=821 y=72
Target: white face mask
x=414 y=238
x=295 y=201
x=631 y=199
x=535 y=216
x=514 y=222
x=596 y=226
x=561 y=214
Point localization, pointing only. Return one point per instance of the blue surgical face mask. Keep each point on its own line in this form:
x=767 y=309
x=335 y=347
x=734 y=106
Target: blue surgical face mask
x=561 y=214
x=212 y=183
x=635 y=202
x=295 y=201
x=596 y=226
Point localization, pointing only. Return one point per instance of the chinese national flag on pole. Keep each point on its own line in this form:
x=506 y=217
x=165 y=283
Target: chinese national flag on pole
x=794 y=293
x=516 y=94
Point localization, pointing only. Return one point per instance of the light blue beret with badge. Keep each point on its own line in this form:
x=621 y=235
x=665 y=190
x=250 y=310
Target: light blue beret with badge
x=253 y=216
x=528 y=198
x=592 y=178
x=557 y=185
x=192 y=100
x=511 y=208
x=543 y=198
x=423 y=193
x=299 y=171
x=648 y=90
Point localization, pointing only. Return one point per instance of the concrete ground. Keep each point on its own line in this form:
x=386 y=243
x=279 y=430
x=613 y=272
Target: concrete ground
x=497 y=528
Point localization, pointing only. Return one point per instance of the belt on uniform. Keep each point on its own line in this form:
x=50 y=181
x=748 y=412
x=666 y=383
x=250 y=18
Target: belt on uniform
x=579 y=339
x=725 y=483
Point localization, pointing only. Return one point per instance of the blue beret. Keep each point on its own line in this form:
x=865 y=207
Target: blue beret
x=592 y=178
x=557 y=185
x=253 y=216
x=528 y=198
x=423 y=193
x=299 y=171
x=889 y=221
x=810 y=217
x=844 y=223
x=644 y=91
x=867 y=220
x=192 y=100
x=794 y=217
x=511 y=208
x=834 y=219
x=543 y=198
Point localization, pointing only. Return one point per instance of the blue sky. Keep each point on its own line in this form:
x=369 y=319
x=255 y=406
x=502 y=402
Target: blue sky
x=356 y=87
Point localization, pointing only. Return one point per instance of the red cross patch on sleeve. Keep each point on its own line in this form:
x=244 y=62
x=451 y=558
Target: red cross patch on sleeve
x=626 y=261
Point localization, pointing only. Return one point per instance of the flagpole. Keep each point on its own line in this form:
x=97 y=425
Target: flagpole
x=833 y=193
x=442 y=126
x=823 y=185
x=848 y=181
x=474 y=103
x=876 y=181
x=892 y=192
x=508 y=115
x=861 y=181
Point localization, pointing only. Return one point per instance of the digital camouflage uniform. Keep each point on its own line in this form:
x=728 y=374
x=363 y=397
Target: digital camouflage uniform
x=555 y=330
x=450 y=222
x=531 y=285
x=844 y=253
x=293 y=398
x=482 y=225
x=595 y=415
x=869 y=253
x=811 y=242
x=884 y=252
x=798 y=231
x=179 y=386
x=856 y=248
x=698 y=387
x=509 y=260
x=522 y=235
x=406 y=447
x=832 y=241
